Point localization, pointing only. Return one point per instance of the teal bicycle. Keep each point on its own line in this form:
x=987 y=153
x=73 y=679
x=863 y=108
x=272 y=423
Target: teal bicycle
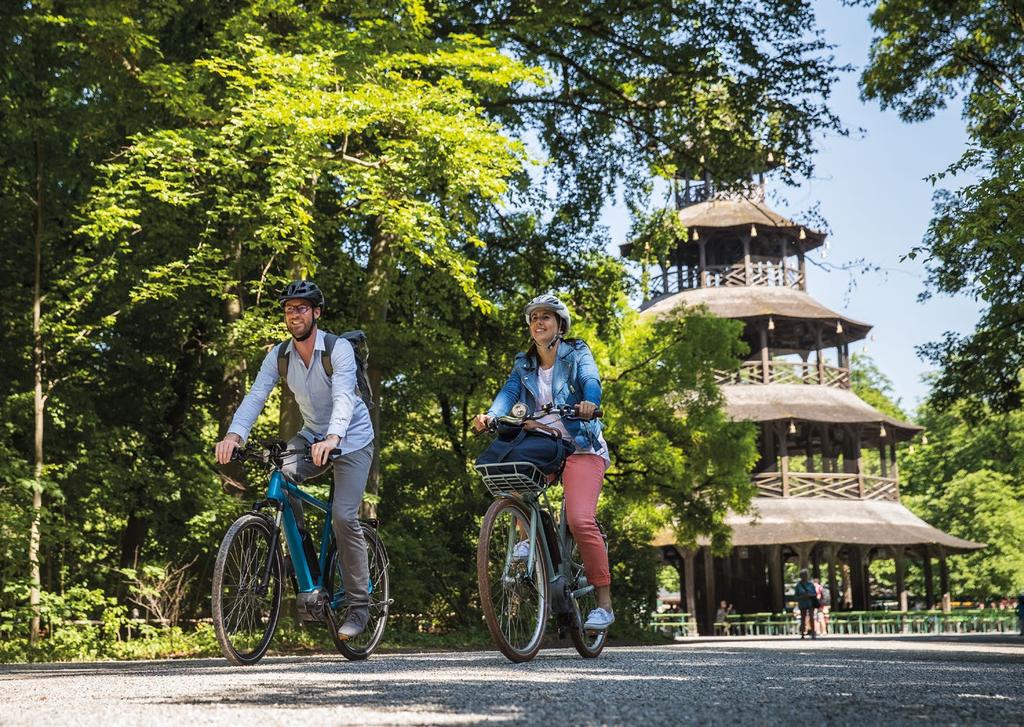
x=250 y=569
x=528 y=565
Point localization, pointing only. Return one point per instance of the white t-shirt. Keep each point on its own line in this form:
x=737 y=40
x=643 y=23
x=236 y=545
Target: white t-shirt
x=555 y=421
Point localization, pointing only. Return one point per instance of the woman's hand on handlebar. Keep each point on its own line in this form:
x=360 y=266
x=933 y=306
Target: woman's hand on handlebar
x=585 y=410
x=320 y=451
x=481 y=422
x=226 y=447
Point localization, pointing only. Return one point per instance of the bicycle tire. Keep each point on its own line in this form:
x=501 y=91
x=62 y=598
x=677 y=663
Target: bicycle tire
x=506 y=589
x=589 y=646
x=361 y=646
x=244 y=619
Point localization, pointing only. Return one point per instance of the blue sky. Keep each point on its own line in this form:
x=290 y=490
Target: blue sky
x=872 y=191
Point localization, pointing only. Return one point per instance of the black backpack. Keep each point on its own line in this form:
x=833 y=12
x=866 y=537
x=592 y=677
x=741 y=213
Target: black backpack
x=359 y=346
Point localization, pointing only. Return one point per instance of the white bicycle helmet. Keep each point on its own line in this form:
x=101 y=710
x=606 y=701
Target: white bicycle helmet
x=549 y=302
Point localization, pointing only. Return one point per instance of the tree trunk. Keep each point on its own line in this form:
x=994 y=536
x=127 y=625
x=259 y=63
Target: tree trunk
x=373 y=316
x=232 y=383
x=39 y=402
x=289 y=419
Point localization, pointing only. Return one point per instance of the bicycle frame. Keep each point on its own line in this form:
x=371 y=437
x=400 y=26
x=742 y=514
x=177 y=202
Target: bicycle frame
x=534 y=506
x=277 y=492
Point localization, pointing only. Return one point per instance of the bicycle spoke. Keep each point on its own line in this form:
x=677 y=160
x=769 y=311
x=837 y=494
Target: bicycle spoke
x=515 y=588
x=245 y=615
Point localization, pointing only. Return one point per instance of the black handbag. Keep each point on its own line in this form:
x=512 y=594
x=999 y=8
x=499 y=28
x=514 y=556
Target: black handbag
x=546 y=451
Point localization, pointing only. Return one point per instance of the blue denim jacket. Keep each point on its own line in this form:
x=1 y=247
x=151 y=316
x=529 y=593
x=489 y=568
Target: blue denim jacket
x=573 y=380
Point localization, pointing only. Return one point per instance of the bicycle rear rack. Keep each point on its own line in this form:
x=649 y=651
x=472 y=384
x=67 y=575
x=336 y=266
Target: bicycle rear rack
x=513 y=478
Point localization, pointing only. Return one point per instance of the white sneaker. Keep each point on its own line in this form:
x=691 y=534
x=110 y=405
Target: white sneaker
x=599 y=620
x=521 y=551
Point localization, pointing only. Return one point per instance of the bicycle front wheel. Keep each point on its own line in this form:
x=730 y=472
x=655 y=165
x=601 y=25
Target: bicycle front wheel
x=513 y=594
x=379 y=587
x=245 y=609
x=588 y=644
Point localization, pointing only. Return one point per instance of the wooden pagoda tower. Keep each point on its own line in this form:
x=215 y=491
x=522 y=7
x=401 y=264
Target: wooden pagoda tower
x=822 y=501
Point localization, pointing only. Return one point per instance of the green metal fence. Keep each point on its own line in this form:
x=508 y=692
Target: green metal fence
x=850 y=622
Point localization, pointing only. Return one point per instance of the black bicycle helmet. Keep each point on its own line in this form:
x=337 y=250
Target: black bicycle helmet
x=305 y=289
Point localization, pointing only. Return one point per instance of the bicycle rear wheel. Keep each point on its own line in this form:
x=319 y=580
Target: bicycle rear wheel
x=361 y=646
x=245 y=612
x=589 y=645
x=514 y=597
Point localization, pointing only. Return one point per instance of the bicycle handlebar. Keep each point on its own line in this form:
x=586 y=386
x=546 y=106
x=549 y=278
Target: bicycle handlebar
x=563 y=410
x=273 y=452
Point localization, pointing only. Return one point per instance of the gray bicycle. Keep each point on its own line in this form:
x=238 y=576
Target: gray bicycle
x=528 y=565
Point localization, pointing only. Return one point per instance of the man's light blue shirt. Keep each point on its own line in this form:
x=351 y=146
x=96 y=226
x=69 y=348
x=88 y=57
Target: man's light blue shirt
x=329 y=405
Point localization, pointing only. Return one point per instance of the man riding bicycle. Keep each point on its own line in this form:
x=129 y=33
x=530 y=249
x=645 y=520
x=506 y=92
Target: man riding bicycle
x=333 y=417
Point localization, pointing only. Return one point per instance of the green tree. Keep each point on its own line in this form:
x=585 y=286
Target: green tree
x=965 y=479
x=671 y=439
x=67 y=71
x=928 y=53
x=663 y=86
x=984 y=506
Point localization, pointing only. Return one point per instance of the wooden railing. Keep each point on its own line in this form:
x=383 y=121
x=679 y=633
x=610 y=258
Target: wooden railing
x=786 y=372
x=835 y=485
x=762 y=273
x=699 y=191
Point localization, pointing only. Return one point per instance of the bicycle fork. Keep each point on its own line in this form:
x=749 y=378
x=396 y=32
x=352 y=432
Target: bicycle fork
x=275 y=537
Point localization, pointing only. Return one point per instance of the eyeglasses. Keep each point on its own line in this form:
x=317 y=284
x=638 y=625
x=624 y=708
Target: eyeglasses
x=300 y=309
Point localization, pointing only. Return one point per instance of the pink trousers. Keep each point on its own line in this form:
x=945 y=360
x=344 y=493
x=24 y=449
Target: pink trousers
x=582 y=477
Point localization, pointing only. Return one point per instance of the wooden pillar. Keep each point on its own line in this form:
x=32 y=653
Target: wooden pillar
x=857 y=577
x=747 y=272
x=857 y=429
x=727 y=577
x=808 y=439
x=784 y=283
x=816 y=562
x=803 y=270
x=833 y=586
x=775 y=577
x=827 y=463
x=865 y=576
x=689 y=587
x=821 y=360
x=782 y=429
x=709 y=589
x=803 y=554
x=895 y=468
x=703 y=264
x=929 y=584
x=944 y=581
x=766 y=376
x=847 y=596
x=664 y=277
x=899 y=554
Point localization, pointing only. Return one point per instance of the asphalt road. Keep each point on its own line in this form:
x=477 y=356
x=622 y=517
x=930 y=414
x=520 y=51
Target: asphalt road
x=838 y=681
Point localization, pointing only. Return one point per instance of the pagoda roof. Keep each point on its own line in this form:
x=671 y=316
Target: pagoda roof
x=785 y=402
x=739 y=212
x=742 y=211
x=759 y=301
x=792 y=520
x=752 y=301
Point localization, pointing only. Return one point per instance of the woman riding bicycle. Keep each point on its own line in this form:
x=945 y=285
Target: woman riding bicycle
x=562 y=372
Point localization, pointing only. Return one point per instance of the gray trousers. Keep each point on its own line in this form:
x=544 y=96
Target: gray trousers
x=350 y=473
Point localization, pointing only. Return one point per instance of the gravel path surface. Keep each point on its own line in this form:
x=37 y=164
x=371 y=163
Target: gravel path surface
x=842 y=681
